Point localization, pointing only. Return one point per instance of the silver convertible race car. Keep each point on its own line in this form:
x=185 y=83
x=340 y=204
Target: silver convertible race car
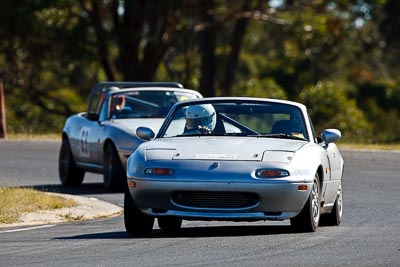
x=101 y=139
x=235 y=159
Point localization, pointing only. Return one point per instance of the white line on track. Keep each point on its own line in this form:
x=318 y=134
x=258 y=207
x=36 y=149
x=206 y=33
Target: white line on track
x=27 y=229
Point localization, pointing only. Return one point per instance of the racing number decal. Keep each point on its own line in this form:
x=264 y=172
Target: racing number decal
x=83 y=142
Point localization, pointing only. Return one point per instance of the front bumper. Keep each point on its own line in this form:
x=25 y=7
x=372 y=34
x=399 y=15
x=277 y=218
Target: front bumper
x=275 y=200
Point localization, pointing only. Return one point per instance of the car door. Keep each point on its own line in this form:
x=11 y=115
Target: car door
x=90 y=130
x=335 y=160
x=98 y=133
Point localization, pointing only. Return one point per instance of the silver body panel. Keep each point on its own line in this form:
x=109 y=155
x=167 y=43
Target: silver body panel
x=87 y=137
x=208 y=167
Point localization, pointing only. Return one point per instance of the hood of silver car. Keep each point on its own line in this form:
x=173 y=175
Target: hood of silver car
x=132 y=124
x=220 y=148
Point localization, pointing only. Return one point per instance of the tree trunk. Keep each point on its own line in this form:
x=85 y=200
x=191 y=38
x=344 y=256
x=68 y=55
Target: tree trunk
x=102 y=42
x=207 y=50
x=129 y=36
x=161 y=25
x=239 y=32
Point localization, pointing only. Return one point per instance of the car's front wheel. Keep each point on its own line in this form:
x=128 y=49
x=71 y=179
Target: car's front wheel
x=136 y=223
x=69 y=173
x=114 y=175
x=308 y=219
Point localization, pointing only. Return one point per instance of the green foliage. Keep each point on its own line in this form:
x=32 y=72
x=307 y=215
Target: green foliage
x=182 y=66
x=267 y=88
x=53 y=52
x=380 y=102
x=24 y=117
x=330 y=107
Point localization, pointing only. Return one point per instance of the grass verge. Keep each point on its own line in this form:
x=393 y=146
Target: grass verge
x=34 y=137
x=16 y=201
x=386 y=147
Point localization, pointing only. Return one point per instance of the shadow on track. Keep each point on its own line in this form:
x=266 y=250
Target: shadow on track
x=196 y=232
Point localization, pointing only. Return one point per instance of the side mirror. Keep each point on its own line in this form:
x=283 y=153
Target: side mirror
x=331 y=135
x=145 y=133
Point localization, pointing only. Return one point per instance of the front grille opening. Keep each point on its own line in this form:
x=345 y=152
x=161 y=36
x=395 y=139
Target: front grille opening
x=223 y=200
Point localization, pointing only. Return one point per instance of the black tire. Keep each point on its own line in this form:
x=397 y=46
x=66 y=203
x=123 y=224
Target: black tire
x=334 y=218
x=114 y=175
x=69 y=173
x=170 y=224
x=308 y=219
x=136 y=223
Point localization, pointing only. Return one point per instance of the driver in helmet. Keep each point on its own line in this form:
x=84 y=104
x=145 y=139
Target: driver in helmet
x=200 y=119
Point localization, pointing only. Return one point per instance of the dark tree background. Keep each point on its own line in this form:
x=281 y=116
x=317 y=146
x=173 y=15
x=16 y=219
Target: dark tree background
x=338 y=57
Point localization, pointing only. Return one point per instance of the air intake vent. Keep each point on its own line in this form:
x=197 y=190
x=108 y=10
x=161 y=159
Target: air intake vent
x=225 y=200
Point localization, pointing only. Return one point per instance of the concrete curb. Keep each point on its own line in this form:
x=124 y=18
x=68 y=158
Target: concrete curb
x=86 y=209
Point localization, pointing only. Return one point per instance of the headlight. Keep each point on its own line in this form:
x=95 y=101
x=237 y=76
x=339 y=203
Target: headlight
x=271 y=173
x=159 y=171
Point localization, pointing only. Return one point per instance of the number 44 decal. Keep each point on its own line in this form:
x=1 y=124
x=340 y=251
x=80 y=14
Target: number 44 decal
x=83 y=142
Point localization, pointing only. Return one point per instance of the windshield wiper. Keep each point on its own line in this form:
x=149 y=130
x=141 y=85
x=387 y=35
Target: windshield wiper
x=280 y=135
x=206 y=134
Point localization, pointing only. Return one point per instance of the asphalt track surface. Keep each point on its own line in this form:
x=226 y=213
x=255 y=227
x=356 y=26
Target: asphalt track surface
x=368 y=236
